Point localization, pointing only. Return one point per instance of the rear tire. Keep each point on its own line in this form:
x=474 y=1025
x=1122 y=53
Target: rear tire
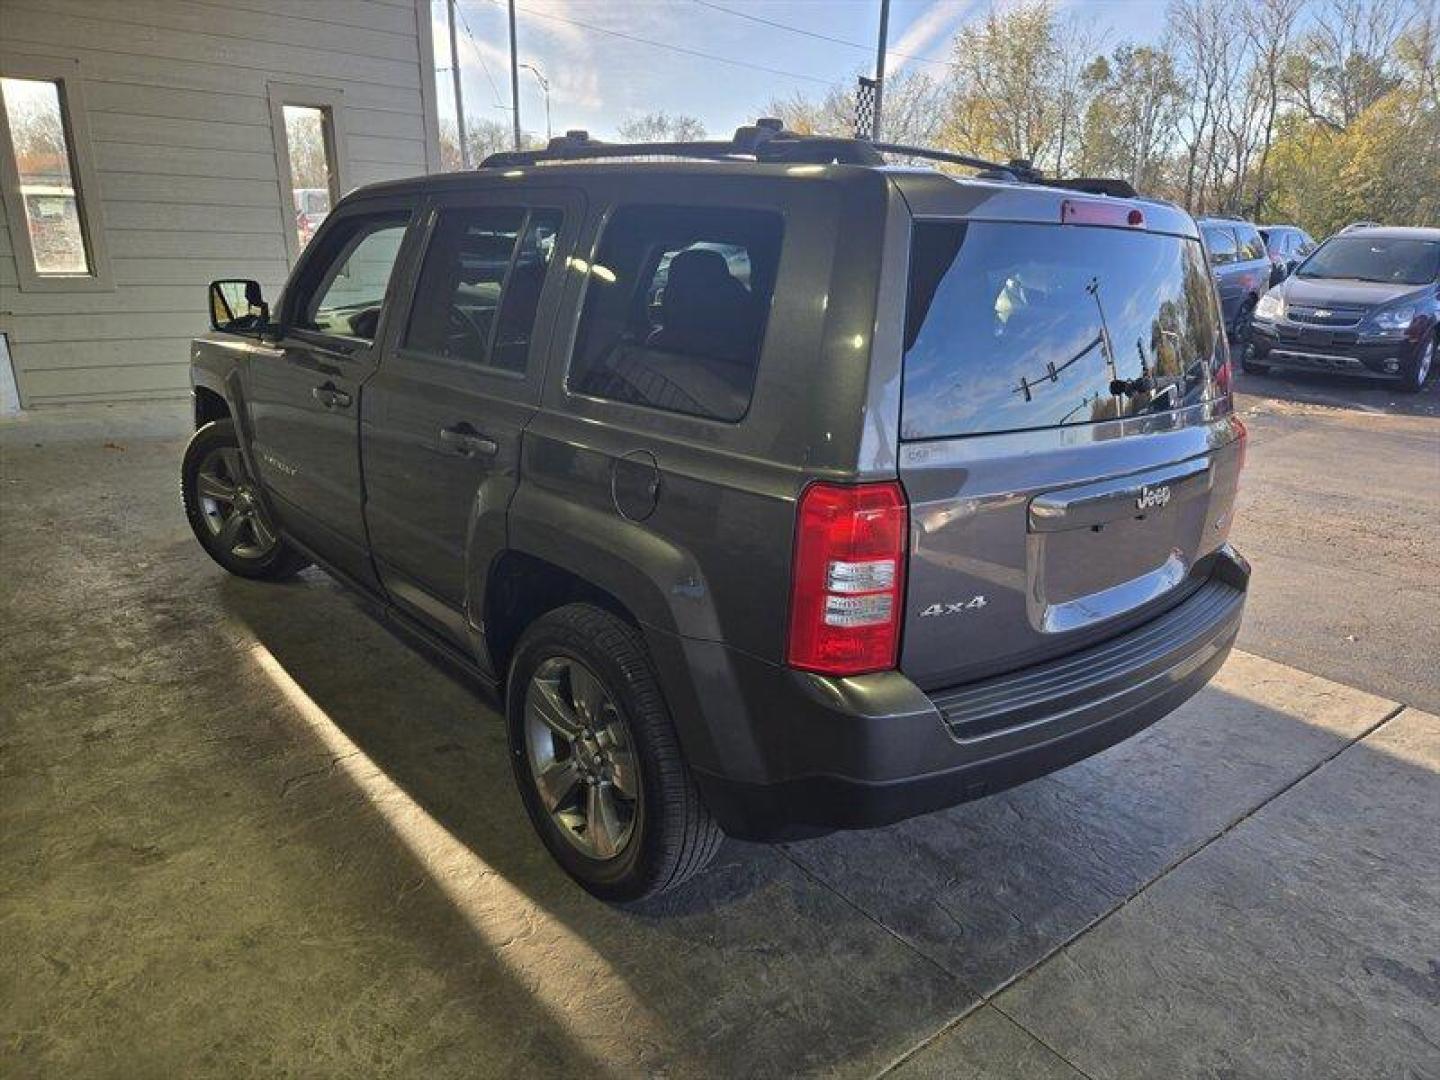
x=1419 y=370
x=225 y=511
x=584 y=710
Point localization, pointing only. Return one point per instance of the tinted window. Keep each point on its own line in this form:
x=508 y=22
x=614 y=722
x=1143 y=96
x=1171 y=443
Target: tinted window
x=1397 y=261
x=344 y=296
x=1013 y=326
x=1252 y=245
x=675 y=308
x=1221 y=242
x=480 y=284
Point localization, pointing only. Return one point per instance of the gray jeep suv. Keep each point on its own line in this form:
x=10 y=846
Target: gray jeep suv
x=772 y=489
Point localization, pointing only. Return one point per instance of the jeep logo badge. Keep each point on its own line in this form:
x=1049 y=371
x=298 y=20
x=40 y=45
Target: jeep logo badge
x=1151 y=498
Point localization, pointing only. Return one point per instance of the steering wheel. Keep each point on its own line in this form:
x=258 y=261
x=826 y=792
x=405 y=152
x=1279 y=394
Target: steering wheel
x=462 y=320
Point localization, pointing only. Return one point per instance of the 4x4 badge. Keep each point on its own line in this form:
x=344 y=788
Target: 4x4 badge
x=1151 y=497
x=959 y=607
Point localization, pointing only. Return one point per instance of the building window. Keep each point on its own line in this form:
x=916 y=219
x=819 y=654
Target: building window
x=48 y=187
x=310 y=157
x=312 y=169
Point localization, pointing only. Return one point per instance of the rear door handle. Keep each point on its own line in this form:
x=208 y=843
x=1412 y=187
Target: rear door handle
x=465 y=440
x=331 y=396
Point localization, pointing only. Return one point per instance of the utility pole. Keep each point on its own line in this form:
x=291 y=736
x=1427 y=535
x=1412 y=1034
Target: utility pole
x=459 y=93
x=515 y=77
x=545 y=86
x=879 y=68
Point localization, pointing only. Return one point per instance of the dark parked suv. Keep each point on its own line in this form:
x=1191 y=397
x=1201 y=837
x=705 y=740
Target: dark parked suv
x=772 y=494
x=1242 y=268
x=1367 y=302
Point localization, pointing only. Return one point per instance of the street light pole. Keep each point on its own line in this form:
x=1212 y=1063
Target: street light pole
x=459 y=93
x=879 y=69
x=545 y=86
x=514 y=77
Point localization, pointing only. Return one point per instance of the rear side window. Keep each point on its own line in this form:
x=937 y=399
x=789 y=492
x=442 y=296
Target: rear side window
x=1012 y=327
x=480 y=284
x=675 y=309
x=1252 y=245
x=1221 y=242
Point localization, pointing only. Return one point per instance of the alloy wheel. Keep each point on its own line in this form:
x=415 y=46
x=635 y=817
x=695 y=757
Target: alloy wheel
x=1422 y=366
x=581 y=757
x=230 y=506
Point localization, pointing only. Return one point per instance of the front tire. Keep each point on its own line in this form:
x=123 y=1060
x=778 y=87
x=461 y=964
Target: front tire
x=597 y=759
x=1418 y=372
x=225 y=511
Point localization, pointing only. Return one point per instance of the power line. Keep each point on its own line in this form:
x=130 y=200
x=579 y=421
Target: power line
x=672 y=48
x=815 y=33
x=480 y=56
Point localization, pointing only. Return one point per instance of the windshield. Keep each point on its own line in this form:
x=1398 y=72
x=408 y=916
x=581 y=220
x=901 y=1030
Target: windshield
x=1013 y=326
x=1393 y=261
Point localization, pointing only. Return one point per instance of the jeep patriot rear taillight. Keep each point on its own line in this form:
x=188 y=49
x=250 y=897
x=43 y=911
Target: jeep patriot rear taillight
x=848 y=578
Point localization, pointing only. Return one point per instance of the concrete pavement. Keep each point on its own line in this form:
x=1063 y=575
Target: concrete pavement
x=243 y=830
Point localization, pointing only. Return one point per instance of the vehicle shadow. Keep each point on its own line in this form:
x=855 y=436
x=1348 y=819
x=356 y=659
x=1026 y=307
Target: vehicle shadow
x=1340 y=392
x=833 y=954
x=397 y=734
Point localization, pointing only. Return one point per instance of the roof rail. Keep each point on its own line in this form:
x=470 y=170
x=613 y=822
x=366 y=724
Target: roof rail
x=767 y=140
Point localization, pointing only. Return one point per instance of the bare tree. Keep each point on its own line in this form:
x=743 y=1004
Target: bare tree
x=914 y=107
x=1347 y=62
x=1270 y=25
x=485 y=137
x=662 y=127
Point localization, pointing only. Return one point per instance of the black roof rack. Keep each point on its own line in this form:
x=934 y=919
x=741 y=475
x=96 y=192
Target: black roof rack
x=767 y=140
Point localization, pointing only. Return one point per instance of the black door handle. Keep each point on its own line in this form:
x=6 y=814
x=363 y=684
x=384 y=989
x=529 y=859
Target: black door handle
x=331 y=396
x=465 y=440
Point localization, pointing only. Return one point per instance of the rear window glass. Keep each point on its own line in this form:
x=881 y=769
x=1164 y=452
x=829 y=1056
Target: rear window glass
x=1012 y=327
x=675 y=309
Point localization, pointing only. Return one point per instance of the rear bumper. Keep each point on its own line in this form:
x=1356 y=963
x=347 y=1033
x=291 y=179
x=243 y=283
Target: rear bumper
x=858 y=753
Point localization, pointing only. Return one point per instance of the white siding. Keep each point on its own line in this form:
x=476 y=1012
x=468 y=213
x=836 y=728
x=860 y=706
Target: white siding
x=177 y=95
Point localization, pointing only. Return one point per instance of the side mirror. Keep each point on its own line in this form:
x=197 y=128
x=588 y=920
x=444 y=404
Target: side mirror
x=238 y=307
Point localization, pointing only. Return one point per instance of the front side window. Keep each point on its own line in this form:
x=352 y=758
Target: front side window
x=480 y=285
x=675 y=309
x=44 y=159
x=1012 y=327
x=345 y=297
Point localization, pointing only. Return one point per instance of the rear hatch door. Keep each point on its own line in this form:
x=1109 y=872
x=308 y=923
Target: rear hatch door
x=1067 y=443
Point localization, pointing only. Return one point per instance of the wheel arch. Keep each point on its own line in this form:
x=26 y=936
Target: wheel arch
x=210 y=405
x=521 y=588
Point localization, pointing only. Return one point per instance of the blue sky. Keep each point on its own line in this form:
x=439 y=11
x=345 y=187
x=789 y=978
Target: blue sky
x=600 y=76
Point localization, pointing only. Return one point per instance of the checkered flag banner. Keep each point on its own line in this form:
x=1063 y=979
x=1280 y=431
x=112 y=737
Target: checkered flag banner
x=865 y=107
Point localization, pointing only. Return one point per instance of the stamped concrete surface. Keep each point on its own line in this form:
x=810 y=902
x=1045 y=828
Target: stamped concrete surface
x=990 y=888
x=246 y=831
x=1303 y=943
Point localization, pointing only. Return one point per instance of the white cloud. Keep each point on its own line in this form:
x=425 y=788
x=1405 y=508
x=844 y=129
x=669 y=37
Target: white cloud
x=937 y=21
